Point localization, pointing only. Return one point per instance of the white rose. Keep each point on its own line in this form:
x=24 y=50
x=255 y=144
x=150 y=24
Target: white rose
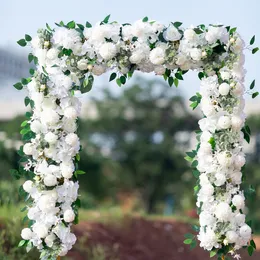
x=69 y=215
x=240 y=219
x=28 y=186
x=41 y=230
x=224 y=122
x=223 y=211
x=225 y=75
x=67 y=170
x=157 y=56
x=28 y=149
x=82 y=64
x=50 y=180
x=49 y=103
x=190 y=35
x=206 y=219
x=238 y=201
x=236 y=177
x=72 y=139
x=50 y=239
x=36 y=126
x=69 y=126
x=236 y=123
x=224 y=159
x=239 y=161
x=205 y=136
x=245 y=232
x=50 y=152
x=70 y=112
x=171 y=34
x=137 y=57
x=51 y=138
x=195 y=54
x=108 y=51
x=232 y=237
x=49 y=117
x=52 y=54
x=159 y=70
x=98 y=70
x=224 y=89
x=220 y=179
x=26 y=234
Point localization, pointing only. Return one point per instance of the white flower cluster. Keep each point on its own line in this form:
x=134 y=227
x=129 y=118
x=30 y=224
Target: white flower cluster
x=67 y=59
x=220 y=156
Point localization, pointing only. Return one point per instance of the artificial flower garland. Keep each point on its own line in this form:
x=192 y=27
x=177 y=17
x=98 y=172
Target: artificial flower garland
x=68 y=56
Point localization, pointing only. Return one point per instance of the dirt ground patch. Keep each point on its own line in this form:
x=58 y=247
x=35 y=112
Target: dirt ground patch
x=140 y=239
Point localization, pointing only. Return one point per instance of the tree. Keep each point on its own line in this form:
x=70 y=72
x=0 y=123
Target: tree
x=137 y=130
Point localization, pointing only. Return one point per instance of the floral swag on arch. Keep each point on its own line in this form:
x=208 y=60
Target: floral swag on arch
x=68 y=56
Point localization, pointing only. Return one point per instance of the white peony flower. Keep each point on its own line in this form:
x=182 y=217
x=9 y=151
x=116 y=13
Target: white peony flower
x=98 y=70
x=51 y=138
x=220 y=179
x=240 y=219
x=196 y=54
x=239 y=160
x=69 y=125
x=69 y=215
x=157 y=56
x=224 y=122
x=108 y=51
x=137 y=57
x=49 y=240
x=49 y=117
x=40 y=230
x=238 y=201
x=82 y=64
x=26 y=234
x=232 y=237
x=28 y=186
x=236 y=177
x=245 y=232
x=171 y=34
x=236 y=123
x=36 y=126
x=224 y=159
x=70 y=112
x=72 y=139
x=224 y=89
x=50 y=180
x=206 y=219
x=190 y=35
x=225 y=75
x=52 y=54
x=223 y=212
x=67 y=169
x=28 y=148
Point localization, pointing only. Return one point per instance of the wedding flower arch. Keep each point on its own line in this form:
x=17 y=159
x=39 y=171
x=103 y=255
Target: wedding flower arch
x=68 y=56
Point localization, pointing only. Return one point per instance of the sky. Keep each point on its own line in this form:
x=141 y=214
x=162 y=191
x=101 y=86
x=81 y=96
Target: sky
x=19 y=17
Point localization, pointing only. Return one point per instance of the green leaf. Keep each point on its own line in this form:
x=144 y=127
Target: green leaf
x=198 y=31
x=193 y=98
x=31 y=71
x=255 y=94
x=27 y=101
x=123 y=79
x=71 y=24
x=194 y=105
x=252 y=84
x=189 y=159
x=252 y=41
x=191 y=154
x=193 y=244
x=189 y=235
x=231 y=31
x=24 y=123
x=88 y=25
x=23 y=209
x=24 y=81
x=28 y=38
x=118 y=81
x=177 y=24
x=252 y=243
x=195 y=228
x=170 y=81
x=106 y=20
x=250 y=250
x=30 y=57
x=187 y=241
x=255 y=50
x=247 y=128
x=81 y=27
x=194 y=164
x=22 y=42
x=196 y=173
x=112 y=76
x=79 y=172
x=21 y=243
x=48 y=27
x=178 y=76
x=176 y=82
x=212 y=142
x=78 y=157
x=145 y=19
x=201 y=75
x=87 y=84
x=212 y=253
x=15 y=174
x=18 y=86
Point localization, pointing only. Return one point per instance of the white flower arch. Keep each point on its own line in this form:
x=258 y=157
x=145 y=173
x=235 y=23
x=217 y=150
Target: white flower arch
x=68 y=56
